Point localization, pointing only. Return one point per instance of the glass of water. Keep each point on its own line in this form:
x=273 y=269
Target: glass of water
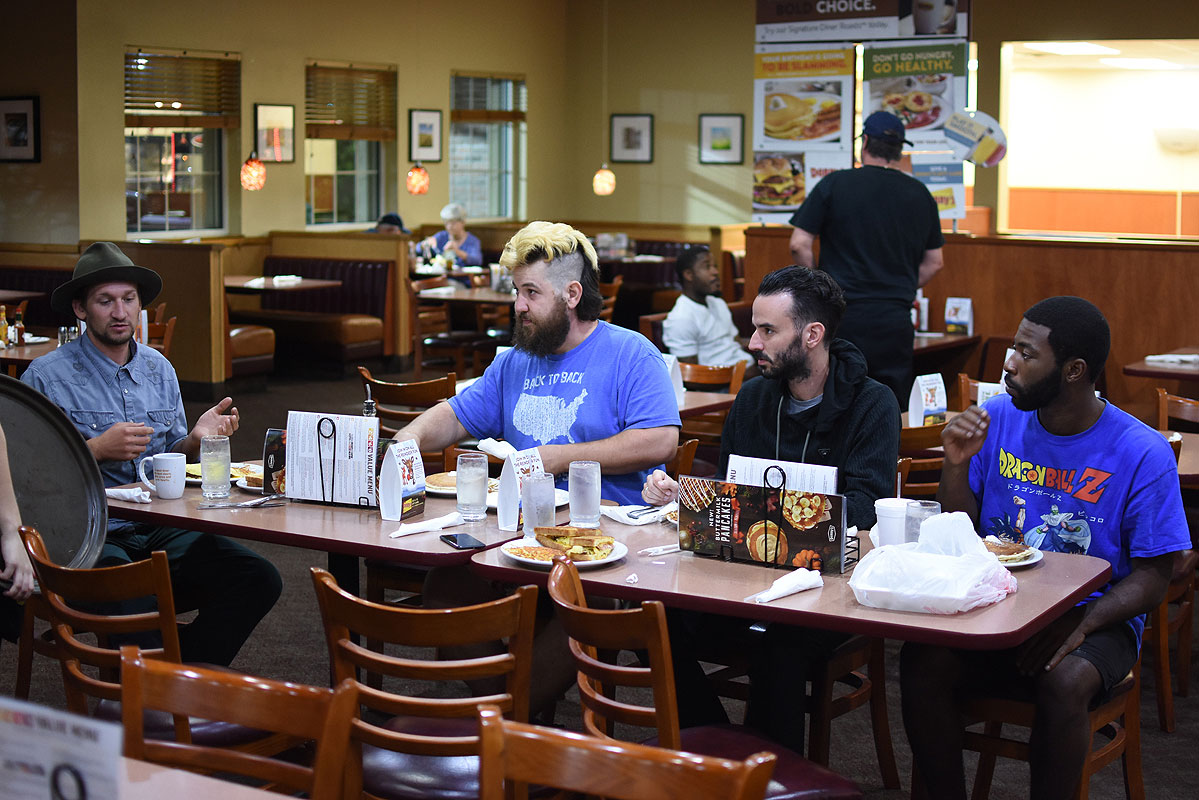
x=471 y=481
x=584 y=485
x=917 y=512
x=537 y=501
x=214 y=466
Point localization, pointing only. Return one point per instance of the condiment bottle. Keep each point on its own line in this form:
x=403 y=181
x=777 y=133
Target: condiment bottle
x=3 y=328
x=368 y=405
x=20 y=324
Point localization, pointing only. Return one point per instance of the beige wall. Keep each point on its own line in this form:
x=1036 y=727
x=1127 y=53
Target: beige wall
x=38 y=202
x=274 y=39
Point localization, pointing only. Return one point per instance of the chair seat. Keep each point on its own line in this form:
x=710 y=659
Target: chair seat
x=794 y=778
x=251 y=340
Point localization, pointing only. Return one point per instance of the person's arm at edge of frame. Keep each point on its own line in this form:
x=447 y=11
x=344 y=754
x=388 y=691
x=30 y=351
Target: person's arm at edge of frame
x=16 y=561
x=930 y=265
x=962 y=438
x=436 y=429
x=802 y=243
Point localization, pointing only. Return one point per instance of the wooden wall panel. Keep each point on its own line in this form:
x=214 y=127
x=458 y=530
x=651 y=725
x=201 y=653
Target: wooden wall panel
x=1102 y=211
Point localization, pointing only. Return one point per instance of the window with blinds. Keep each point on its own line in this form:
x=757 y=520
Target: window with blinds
x=177 y=107
x=350 y=103
x=488 y=135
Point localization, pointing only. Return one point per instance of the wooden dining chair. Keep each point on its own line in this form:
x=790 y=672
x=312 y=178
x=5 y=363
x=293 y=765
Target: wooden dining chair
x=91 y=672
x=515 y=754
x=157 y=314
x=160 y=334
x=1173 y=408
x=606 y=700
x=707 y=428
x=428 y=746
x=1115 y=717
x=434 y=342
x=684 y=456
x=609 y=291
x=967 y=391
x=922 y=445
x=302 y=712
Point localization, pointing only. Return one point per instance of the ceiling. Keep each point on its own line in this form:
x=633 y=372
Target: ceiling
x=1179 y=51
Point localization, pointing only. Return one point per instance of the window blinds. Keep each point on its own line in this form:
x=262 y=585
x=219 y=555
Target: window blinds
x=169 y=89
x=350 y=103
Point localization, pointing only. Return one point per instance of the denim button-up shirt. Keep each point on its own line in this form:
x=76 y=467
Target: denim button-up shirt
x=96 y=393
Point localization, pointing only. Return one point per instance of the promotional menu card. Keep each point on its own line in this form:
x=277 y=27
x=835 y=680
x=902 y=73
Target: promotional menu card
x=53 y=755
x=331 y=457
x=517 y=467
x=754 y=523
x=928 y=402
x=401 y=480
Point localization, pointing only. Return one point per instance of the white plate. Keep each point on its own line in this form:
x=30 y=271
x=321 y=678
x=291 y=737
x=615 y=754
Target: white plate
x=197 y=481
x=453 y=491
x=619 y=551
x=561 y=498
x=817 y=97
x=240 y=483
x=939 y=122
x=1037 y=555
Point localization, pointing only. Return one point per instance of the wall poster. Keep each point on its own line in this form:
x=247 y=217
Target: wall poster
x=922 y=83
x=860 y=20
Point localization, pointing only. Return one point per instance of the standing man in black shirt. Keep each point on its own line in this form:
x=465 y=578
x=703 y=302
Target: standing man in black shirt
x=880 y=238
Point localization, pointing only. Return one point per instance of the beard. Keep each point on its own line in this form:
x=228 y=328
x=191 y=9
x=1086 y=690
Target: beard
x=110 y=340
x=1038 y=395
x=542 y=338
x=791 y=364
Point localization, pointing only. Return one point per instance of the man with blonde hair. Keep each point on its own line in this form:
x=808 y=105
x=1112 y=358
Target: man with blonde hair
x=575 y=387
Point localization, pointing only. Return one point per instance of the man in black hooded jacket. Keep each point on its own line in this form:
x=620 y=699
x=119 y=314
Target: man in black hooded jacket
x=813 y=403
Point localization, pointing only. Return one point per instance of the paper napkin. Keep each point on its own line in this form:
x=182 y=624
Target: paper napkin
x=621 y=513
x=288 y=278
x=435 y=524
x=1173 y=358
x=798 y=580
x=255 y=283
x=494 y=447
x=129 y=495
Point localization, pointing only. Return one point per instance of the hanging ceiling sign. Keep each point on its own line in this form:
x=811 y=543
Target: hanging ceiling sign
x=859 y=20
x=976 y=137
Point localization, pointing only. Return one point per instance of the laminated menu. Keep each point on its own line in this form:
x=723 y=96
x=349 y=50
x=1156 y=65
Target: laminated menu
x=331 y=457
x=759 y=524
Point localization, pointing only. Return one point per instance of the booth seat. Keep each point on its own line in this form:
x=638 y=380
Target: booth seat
x=251 y=350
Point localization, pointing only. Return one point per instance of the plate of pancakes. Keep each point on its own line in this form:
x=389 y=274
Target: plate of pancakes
x=1013 y=555
x=802 y=116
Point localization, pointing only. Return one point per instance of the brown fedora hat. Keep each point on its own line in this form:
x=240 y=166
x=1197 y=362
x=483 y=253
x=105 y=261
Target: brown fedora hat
x=103 y=262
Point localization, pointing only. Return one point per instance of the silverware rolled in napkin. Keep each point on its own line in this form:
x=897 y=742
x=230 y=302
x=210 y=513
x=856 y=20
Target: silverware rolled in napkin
x=660 y=550
x=268 y=501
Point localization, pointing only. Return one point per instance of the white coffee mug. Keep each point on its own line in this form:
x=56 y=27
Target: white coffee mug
x=170 y=474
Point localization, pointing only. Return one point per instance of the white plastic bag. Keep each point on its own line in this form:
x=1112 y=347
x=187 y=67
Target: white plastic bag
x=949 y=570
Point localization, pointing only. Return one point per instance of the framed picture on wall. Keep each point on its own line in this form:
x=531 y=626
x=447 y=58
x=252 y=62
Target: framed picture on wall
x=632 y=140
x=20 y=130
x=424 y=135
x=721 y=138
x=275 y=133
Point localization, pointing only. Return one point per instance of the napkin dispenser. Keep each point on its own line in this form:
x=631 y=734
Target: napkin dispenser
x=764 y=524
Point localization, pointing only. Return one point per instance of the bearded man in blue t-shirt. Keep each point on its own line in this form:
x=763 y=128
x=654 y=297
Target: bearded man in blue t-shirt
x=1052 y=465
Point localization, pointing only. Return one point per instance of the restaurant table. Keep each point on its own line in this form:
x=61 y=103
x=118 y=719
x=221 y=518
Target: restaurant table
x=15 y=359
x=1188 y=459
x=460 y=294
x=240 y=284
x=684 y=580
x=1166 y=372
x=15 y=296
x=141 y=780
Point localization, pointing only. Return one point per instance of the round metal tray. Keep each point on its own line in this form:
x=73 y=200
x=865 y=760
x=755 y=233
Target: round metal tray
x=57 y=481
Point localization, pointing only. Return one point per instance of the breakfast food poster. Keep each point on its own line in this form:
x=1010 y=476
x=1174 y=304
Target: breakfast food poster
x=761 y=525
x=803 y=98
x=921 y=83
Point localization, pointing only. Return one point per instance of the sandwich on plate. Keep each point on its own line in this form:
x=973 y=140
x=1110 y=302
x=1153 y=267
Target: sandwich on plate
x=579 y=544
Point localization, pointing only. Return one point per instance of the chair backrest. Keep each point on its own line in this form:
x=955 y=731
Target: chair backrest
x=427 y=316
x=992 y=358
x=68 y=591
x=967 y=391
x=158 y=313
x=1174 y=407
x=346 y=617
x=307 y=712
x=924 y=473
x=403 y=402
x=160 y=334
x=705 y=376
x=523 y=754
x=609 y=292
x=650 y=326
x=902 y=468
x=684 y=456
x=593 y=630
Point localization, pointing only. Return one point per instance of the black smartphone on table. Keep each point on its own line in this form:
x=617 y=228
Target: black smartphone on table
x=461 y=541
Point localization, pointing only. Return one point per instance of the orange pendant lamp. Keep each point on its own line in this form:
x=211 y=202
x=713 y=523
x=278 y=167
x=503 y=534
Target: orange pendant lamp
x=253 y=173
x=604 y=181
x=417 y=180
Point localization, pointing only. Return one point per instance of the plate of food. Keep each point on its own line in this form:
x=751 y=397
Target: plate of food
x=918 y=109
x=250 y=484
x=586 y=547
x=1011 y=554
x=237 y=471
x=446 y=483
x=778 y=182
x=803 y=510
x=801 y=116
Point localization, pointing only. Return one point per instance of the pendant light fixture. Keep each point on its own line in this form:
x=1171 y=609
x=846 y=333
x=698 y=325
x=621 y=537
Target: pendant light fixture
x=603 y=183
x=253 y=173
x=417 y=180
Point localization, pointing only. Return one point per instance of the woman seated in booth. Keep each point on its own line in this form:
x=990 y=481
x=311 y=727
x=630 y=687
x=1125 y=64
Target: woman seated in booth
x=454 y=242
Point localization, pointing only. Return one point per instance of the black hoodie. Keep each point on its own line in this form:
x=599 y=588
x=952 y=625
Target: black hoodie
x=855 y=428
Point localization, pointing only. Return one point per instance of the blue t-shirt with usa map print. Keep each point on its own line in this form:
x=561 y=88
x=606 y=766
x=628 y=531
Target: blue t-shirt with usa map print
x=1109 y=492
x=610 y=382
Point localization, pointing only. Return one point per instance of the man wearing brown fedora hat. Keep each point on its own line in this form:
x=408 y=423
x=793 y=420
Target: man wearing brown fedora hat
x=124 y=400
